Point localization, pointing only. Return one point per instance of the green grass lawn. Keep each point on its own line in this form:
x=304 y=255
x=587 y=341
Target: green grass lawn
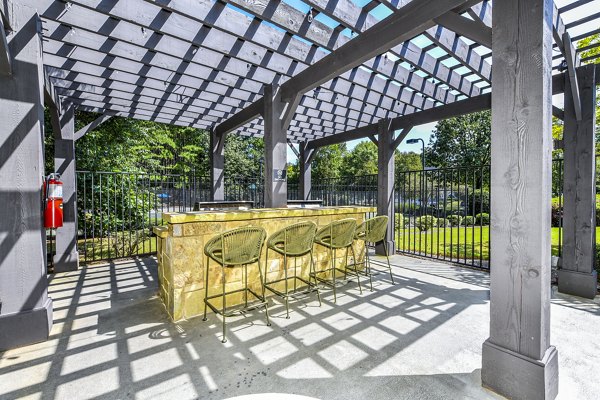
x=457 y=242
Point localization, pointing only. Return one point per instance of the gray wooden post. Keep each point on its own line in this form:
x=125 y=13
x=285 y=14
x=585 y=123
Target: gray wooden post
x=66 y=257
x=25 y=309
x=305 y=186
x=275 y=149
x=518 y=360
x=217 y=166
x=578 y=275
x=385 y=182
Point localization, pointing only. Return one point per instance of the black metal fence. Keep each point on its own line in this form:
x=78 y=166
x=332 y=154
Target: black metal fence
x=440 y=213
x=344 y=191
x=444 y=214
x=117 y=210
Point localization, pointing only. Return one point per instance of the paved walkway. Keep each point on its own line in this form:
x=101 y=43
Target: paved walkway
x=418 y=339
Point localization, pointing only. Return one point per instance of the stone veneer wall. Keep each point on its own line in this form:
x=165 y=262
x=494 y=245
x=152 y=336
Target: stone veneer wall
x=181 y=259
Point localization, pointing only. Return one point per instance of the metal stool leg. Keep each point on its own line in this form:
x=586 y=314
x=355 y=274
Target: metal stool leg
x=356 y=272
x=205 y=291
x=314 y=274
x=224 y=307
x=246 y=286
x=368 y=266
x=262 y=281
x=333 y=274
x=388 y=261
x=285 y=274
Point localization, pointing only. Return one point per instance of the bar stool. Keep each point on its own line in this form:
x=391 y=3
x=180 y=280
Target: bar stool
x=236 y=248
x=293 y=241
x=372 y=231
x=337 y=235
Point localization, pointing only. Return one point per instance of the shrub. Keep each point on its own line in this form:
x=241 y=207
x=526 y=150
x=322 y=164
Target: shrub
x=481 y=201
x=454 y=220
x=425 y=222
x=482 y=219
x=400 y=221
x=469 y=220
x=443 y=222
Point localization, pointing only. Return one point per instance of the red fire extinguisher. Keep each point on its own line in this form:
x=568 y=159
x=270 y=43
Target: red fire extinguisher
x=53 y=213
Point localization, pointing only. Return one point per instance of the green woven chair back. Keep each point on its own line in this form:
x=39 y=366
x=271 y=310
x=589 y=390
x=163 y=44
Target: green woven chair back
x=373 y=230
x=294 y=240
x=236 y=247
x=338 y=234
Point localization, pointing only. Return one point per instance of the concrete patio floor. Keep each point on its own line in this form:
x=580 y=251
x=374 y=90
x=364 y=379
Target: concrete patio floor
x=418 y=339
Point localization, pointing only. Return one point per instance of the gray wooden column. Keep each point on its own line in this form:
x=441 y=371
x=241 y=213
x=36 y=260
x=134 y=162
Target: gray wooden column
x=66 y=257
x=26 y=309
x=305 y=186
x=385 y=181
x=578 y=275
x=275 y=148
x=217 y=167
x=518 y=360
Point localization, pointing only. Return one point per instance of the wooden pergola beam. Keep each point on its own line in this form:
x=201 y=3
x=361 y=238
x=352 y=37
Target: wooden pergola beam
x=467 y=27
x=358 y=20
x=194 y=12
x=93 y=125
x=86 y=42
x=285 y=15
x=5 y=58
x=573 y=62
x=399 y=27
x=461 y=107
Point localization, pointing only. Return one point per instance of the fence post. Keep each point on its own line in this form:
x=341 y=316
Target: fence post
x=578 y=275
x=385 y=182
x=63 y=125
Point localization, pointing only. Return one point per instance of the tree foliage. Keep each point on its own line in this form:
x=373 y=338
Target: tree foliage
x=361 y=160
x=124 y=144
x=328 y=162
x=461 y=141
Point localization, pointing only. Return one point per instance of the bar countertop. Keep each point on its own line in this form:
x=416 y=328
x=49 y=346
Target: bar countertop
x=260 y=213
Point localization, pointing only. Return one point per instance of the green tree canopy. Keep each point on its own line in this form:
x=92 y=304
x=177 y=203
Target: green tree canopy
x=328 y=162
x=361 y=160
x=125 y=144
x=461 y=141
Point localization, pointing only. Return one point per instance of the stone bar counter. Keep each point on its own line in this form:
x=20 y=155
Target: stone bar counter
x=182 y=263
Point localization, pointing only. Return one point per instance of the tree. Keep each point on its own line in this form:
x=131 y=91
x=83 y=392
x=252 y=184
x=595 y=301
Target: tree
x=328 y=162
x=244 y=156
x=407 y=161
x=361 y=160
x=461 y=141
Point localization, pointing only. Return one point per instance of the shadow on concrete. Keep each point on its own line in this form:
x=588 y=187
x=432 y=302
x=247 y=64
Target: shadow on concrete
x=112 y=339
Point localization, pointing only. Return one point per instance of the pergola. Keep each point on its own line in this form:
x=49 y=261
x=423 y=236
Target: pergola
x=315 y=73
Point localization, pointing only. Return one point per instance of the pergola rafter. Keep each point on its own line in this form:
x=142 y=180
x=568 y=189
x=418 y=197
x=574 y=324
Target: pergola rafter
x=161 y=58
x=206 y=60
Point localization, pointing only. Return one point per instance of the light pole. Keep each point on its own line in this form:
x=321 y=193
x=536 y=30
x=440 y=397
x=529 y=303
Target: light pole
x=415 y=141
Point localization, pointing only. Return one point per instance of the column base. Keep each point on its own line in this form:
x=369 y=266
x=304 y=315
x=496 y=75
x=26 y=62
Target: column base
x=66 y=262
x=516 y=376
x=26 y=327
x=582 y=284
x=391 y=248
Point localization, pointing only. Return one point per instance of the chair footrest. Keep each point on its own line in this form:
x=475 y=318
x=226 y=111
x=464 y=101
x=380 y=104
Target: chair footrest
x=262 y=302
x=311 y=287
x=329 y=282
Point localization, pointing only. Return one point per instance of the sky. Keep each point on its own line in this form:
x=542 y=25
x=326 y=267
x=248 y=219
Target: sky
x=424 y=131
